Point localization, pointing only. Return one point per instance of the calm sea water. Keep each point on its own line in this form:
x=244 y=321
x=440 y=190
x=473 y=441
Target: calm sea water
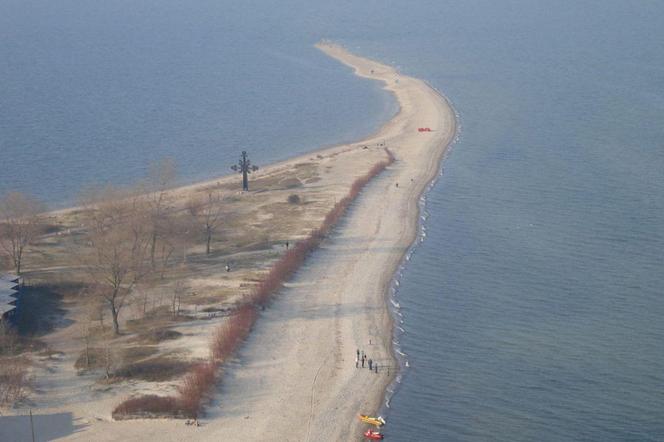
x=93 y=92
x=533 y=308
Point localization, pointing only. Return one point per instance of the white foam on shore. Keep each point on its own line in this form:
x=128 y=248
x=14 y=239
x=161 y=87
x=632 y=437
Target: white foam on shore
x=401 y=357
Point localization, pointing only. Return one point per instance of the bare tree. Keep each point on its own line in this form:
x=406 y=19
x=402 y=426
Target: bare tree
x=110 y=361
x=207 y=213
x=118 y=238
x=176 y=299
x=87 y=338
x=176 y=236
x=20 y=225
x=94 y=312
x=162 y=176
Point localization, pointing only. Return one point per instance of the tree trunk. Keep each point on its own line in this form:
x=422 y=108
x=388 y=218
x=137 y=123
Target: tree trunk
x=107 y=362
x=207 y=244
x=152 y=249
x=17 y=262
x=18 y=258
x=116 y=325
x=87 y=351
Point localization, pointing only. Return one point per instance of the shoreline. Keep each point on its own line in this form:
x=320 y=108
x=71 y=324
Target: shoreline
x=414 y=225
x=433 y=174
x=392 y=290
x=302 y=348
x=337 y=394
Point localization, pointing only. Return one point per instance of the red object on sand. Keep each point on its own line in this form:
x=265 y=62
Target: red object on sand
x=424 y=129
x=374 y=435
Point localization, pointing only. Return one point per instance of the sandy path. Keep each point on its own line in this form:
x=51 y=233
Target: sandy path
x=295 y=379
x=302 y=353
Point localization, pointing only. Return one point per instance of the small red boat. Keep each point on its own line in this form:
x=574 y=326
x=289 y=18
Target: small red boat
x=373 y=435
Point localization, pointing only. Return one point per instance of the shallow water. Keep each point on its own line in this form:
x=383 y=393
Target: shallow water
x=532 y=310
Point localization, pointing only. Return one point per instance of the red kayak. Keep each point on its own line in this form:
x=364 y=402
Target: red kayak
x=374 y=435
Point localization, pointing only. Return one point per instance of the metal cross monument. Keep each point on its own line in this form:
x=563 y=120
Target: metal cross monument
x=245 y=168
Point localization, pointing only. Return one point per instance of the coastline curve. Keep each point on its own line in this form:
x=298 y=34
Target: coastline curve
x=298 y=360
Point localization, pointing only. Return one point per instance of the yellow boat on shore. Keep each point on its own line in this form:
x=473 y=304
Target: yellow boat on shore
x=376 y=421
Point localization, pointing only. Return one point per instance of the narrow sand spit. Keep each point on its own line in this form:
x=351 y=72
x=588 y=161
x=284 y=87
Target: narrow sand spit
x=295 y=379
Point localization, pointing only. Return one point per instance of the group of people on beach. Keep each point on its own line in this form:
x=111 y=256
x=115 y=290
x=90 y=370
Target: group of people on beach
x=364 y=360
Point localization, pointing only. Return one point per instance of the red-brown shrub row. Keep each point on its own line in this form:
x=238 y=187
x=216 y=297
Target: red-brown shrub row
x=200 y=379
x=231 y=333
x=287 y=265
x=187 y=404
x=193 y=391
x=228 y=336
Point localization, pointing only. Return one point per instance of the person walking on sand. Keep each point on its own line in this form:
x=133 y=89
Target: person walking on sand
x=362 y=361
x=357 y=360
x=370 y=362
x=376 y=368
x=358 y=353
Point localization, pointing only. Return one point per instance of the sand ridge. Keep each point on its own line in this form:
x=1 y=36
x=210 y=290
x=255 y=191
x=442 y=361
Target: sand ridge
x=295 y=377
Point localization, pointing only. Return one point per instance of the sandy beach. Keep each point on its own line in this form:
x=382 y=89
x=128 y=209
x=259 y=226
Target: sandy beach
x=295 y=377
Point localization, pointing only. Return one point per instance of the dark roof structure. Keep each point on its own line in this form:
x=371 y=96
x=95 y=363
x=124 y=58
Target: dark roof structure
x=8 y=294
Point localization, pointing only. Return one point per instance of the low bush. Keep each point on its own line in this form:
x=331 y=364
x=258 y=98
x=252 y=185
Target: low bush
x=153 y=370
x=291 y=183
x=294 y=199
x=90 y=358
x=157 y=336
x=148 y=406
